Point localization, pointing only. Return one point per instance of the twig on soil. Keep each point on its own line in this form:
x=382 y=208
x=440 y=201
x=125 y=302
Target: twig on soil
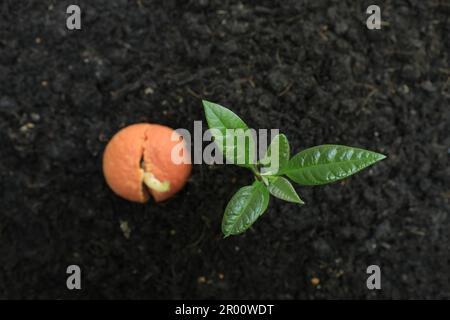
x=249 y=80
x=371 y=93
x=286 y=90
x=277 y=56
x=193 y=93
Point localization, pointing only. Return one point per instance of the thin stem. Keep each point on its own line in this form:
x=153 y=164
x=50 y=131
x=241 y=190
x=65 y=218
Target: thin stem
x=255 y=171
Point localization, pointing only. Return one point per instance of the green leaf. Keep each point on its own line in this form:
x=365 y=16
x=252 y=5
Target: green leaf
x=277 y=155
x=281 y=188
x=328 y=163
x=222 y=118
x=231 y=134
x=244 y=208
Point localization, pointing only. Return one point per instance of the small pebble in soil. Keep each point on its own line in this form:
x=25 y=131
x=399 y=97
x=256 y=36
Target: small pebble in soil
x=125 y=229
x=201 y=279
x=26 y=127
x=428 y=86
x=315 y=281
x=35 y=117
x=148 y=91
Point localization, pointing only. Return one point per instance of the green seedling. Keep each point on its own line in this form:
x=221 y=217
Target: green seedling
x=314 y=166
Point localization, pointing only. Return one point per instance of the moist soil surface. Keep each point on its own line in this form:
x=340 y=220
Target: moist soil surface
x=310 y=68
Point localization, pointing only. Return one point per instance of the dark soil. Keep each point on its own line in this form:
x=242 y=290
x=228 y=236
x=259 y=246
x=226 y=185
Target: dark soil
x=310 y=68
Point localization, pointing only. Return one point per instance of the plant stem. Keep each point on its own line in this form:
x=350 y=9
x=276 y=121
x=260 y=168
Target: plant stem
x=255 y=171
